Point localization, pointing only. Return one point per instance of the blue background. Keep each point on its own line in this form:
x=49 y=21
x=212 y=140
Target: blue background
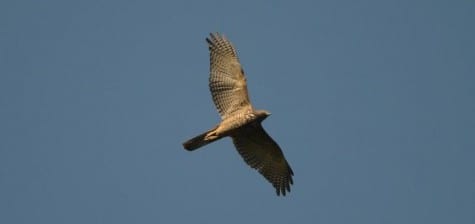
x=373 y=103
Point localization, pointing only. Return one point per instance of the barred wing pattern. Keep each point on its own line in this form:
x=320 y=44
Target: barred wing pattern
x=262 y=153
x=227 y=82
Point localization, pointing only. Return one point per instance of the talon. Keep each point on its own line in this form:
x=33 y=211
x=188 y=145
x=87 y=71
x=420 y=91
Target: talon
x=211 y=136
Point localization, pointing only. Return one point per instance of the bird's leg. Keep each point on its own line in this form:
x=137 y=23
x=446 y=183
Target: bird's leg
x=211 y=135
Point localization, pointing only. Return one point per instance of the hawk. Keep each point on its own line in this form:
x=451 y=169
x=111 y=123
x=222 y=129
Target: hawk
x=239 y=120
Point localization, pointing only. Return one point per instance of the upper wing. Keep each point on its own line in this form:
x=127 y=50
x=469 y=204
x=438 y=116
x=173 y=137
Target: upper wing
x=263 y=154
x=227 y=82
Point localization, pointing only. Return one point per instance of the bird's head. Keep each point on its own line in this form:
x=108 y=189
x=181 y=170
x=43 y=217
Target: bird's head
x=261 y=114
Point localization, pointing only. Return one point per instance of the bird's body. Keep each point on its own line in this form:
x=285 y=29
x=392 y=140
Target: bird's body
x=227 y=127
x=240 y=120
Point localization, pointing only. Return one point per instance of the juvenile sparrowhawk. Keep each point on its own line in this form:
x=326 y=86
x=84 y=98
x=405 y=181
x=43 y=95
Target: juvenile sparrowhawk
x=239 y=120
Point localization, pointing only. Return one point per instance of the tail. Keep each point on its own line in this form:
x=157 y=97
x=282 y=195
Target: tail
x=199 y=141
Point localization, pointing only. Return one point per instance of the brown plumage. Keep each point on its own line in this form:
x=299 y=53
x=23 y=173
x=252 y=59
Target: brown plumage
x=239 y=120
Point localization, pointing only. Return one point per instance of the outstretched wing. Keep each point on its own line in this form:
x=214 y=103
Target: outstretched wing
x=262 y=153
x=227 y=82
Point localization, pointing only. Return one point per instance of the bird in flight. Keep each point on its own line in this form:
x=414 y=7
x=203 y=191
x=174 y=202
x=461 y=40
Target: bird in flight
x=239 y=119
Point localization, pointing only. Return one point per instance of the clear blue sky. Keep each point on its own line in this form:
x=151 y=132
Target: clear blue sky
x=373 y=103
